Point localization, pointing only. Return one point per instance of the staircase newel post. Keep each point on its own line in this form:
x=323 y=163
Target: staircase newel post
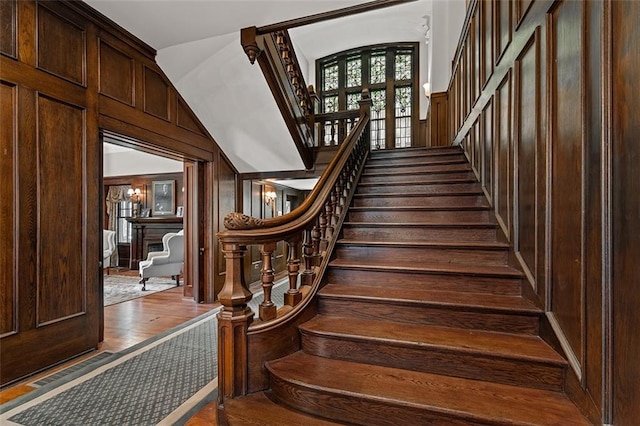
x=307 y=255
x=267 y=309
x=233 y=322
x=293 y=296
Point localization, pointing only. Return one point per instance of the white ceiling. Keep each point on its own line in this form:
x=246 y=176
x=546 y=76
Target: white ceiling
x=198 y=44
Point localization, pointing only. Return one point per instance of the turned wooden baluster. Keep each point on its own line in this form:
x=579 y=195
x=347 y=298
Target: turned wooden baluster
x=293 y=295
x=322 y=224
x=307 y=255
x=315 y=237
x=334 y=124
x=267 y=309
x=233 y=322
x=338 y=194
x=329 y=208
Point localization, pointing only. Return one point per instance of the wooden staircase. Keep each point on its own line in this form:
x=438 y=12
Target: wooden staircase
x=421 y=319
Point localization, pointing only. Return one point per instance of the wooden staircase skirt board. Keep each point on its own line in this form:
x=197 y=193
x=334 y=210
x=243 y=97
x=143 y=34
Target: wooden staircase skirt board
x=370 y=394
x=409 y=253
x=451 y=309
x=521 y=360
x=424 y=280
x=447 y=200
x=412 y=170
x=420 y=188
x=420 y=231
x=417 y=215
x=425 y=177
x=260 y=410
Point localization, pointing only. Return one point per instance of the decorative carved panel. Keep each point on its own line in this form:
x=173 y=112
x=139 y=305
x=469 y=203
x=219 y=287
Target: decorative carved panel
x=8 y=27
x=60 y=142
x=156 y=94
x=116 y=74
x=55 y=36
x=8 y=148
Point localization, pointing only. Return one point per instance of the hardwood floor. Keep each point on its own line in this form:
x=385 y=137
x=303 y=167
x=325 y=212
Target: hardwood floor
x=126 y=324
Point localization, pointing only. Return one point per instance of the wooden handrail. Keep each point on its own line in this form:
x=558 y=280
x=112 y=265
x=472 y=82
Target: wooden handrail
x=239 y=221
x=279 y=64
x=314 y=226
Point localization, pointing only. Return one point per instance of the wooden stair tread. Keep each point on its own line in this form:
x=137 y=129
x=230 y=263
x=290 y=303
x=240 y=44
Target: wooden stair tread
x=472 y=400
x=479 y=245
x=259 y=409
x=509 y=345
x=413 y=152
x=435 y=170
x=454 y=299
x=438 y=267
x=460 y=193
x=419 y=208
x=422 y=182
x=411 y=162
x=422 y=224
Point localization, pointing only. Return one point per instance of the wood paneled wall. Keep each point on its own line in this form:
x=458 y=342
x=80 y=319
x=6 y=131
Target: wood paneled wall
x=438 y=120
x=542 y=99
x=67 y=73
x=254 y=205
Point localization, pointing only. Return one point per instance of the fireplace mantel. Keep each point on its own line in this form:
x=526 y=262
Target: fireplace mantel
x=148 y=231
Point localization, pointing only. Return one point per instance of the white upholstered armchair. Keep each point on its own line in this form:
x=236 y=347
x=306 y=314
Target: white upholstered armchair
x=108 y=248
x=167 y=262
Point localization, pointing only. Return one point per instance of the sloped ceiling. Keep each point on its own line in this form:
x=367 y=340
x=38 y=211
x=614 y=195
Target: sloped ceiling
x=198 y=44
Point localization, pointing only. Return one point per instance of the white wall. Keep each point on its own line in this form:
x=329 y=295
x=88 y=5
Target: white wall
x=446 y=24
x=137 y=163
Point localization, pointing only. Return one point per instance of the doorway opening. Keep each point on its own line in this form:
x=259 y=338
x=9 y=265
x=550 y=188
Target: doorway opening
x=147 y=197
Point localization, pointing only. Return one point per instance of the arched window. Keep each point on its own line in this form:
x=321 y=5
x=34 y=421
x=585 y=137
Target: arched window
x=390 y=72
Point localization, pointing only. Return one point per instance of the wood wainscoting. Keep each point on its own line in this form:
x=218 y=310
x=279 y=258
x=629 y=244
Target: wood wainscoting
x=541 y=100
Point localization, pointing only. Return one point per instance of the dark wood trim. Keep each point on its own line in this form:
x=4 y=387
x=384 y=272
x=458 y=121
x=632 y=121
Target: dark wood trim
x=334 y=14
x=286 y=174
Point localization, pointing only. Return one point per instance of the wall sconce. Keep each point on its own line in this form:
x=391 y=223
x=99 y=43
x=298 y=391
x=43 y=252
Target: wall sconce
x=270 y=200
x=427 y=89
x=134 y=194
x=270 y=197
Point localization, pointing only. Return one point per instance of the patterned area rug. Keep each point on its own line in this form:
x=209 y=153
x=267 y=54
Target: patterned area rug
x=120 y=288
x=162 y=381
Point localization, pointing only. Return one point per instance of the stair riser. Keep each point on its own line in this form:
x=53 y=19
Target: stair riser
x=447 y=361
x=443 y=315
x=423 y=177
x=408 y=201
x=436 y=168
x=417 y=161
x=416 y=233
x=435 y=282
x=420 y=188
x=422 y=216
x=406 y=153
x=357 y=410
x=415 y=255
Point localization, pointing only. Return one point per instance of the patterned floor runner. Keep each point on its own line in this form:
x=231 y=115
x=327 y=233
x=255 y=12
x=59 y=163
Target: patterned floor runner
x=163 y=380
